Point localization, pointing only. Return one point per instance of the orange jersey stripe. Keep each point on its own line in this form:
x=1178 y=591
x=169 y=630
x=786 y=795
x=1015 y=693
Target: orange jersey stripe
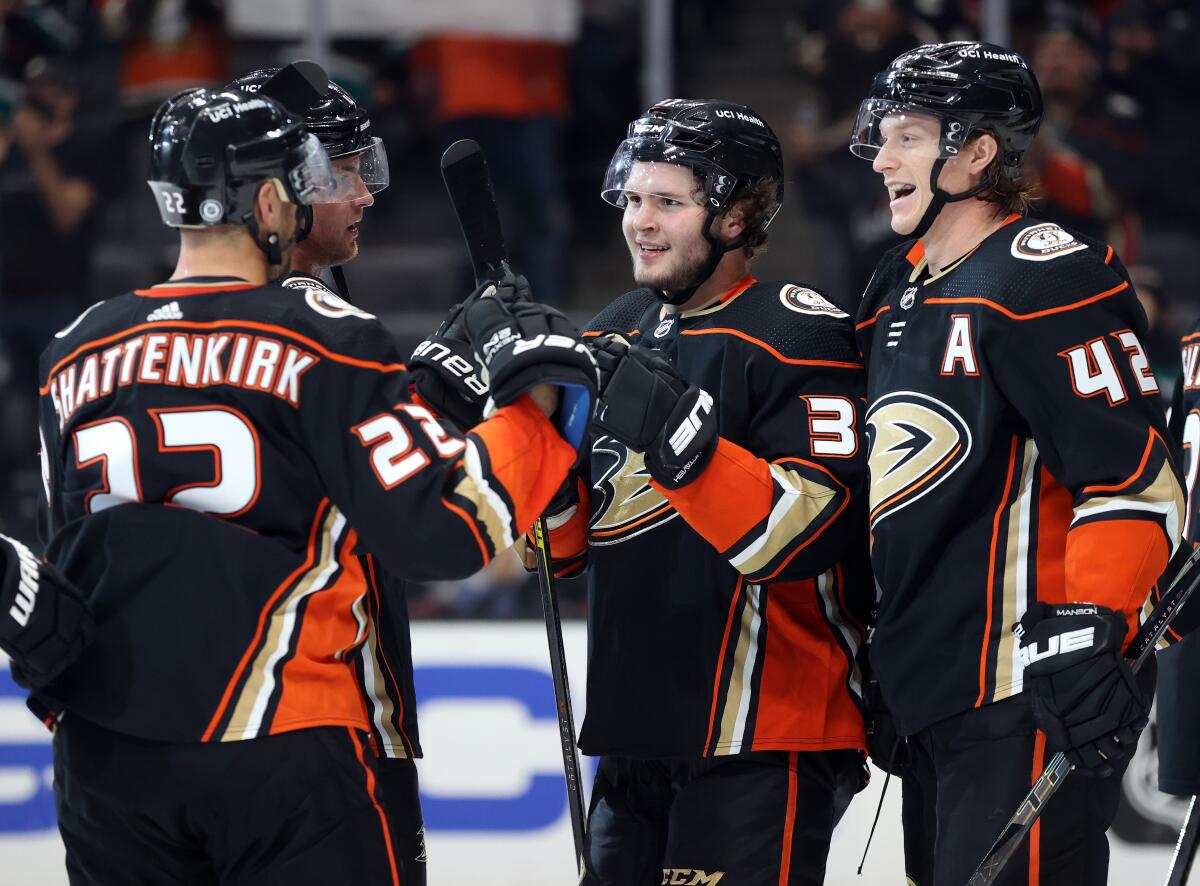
x=177 y=290
x=770 y=350
x=308 y=684
x=712 y=714
x=988 y=303
x=1055 y=511
x=865 y=323
x=218 y=324
x=991 y=582
x=309 y=559
x=1153 y=435
x=511 y=436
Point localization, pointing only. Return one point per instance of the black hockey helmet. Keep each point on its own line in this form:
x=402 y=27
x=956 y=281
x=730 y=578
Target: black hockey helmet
x=968 y=86
x=211 y=149
x=726 y=145
x=332 y=115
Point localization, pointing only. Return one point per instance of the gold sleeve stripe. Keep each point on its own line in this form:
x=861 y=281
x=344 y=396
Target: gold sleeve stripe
x=490 y=510
x=802 y=501
x=382 y=707
x=1164 y=496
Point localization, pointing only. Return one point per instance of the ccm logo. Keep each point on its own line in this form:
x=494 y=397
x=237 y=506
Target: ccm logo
x=1082 y=638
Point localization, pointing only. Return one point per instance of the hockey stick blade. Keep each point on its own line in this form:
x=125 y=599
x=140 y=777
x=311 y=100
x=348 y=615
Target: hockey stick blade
x=1060 y=767
x=1185 y=847
x=465 y=172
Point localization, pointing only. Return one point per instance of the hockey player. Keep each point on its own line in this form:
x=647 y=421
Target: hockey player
x=44 y=620
x=1024 y=499
x=359 y=162
x=1178 y=710
x=220 y=450
x=721 y=522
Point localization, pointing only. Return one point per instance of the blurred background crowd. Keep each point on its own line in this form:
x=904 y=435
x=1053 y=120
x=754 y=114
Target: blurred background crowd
x=548 y=87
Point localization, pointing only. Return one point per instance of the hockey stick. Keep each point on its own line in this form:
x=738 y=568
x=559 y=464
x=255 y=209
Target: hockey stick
x=1060 y=767
x=465 y=172
x=1185 y=848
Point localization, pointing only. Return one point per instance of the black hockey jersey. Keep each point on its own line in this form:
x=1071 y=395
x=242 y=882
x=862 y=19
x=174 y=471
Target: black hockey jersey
x=725 y=617
x=220 y=459
x=385 y=659
x=1017 y=452
x=1185 y=432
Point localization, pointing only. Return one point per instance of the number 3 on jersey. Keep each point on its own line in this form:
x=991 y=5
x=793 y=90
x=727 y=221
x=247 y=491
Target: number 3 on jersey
x=226 y=433
x=831 y=426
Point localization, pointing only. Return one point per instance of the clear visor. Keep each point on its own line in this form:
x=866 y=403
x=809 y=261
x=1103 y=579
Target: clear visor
x=312 y=177
x=651 y=178
x=881 y=121
x=359 y=174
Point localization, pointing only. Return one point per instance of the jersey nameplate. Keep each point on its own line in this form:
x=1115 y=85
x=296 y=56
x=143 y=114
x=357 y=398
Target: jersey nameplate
x=1044 y=242
x=803 y=300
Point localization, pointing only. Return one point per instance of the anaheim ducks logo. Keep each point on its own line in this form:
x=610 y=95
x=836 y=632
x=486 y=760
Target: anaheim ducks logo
x=628 y=504
x=916 y=443
x=1044 y=242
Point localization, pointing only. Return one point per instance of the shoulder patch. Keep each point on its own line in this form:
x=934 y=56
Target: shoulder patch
x=1043 y=242
x=325 y=302
x=803 y=300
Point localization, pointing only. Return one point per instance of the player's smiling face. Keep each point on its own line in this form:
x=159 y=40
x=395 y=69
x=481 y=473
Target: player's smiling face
x=334 y=236
x=910 y=147
x=662 y=226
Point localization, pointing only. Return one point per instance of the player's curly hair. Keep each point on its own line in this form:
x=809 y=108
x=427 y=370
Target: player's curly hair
x=757 y=203
x=1008 y=194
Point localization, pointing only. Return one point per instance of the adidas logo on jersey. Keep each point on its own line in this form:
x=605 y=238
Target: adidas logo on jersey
x=169 y=311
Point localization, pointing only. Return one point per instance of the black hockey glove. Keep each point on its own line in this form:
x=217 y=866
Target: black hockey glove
x=525 y=344
x=44 y=620
x=444 y=370
x=1085 y=697
x=649 y=407
x=446 y=376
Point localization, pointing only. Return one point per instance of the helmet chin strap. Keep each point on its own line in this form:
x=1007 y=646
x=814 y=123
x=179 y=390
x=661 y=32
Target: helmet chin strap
x=270 y=245
x=941 y=198
x=716 y=252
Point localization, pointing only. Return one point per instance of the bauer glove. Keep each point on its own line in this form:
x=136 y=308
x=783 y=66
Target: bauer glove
x=524 y=344
x=444 y=370
x=1084 y=695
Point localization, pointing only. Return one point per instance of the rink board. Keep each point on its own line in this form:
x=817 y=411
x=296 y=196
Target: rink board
x=491 y=782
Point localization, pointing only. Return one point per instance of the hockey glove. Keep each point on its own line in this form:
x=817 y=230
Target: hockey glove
x=1085 y=697
x=525 y=344
x=45 y=622
x=649 y=407
x=444 y=370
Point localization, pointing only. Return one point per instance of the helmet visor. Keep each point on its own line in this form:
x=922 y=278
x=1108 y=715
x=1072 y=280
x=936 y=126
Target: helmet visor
x=911 y=128
x=358 y=174
x=634 y=170
x=311 y=177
